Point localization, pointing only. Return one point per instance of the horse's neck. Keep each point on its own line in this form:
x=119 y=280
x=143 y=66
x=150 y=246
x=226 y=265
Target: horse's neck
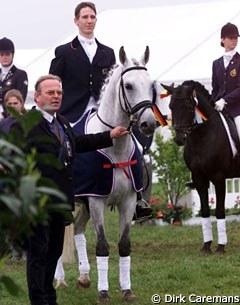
x=204 y=105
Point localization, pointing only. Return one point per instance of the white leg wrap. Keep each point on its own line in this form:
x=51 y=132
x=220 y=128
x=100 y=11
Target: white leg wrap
x=81 y=246
x=102 y=266
x=207 y=229
x=222 y=234
x=124 y=272
x=59 y=272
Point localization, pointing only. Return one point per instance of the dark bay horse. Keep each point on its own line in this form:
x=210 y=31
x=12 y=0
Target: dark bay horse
x=207 y=151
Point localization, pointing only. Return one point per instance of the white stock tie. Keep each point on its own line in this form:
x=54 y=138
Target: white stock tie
x=226 y=59
x=89 y=46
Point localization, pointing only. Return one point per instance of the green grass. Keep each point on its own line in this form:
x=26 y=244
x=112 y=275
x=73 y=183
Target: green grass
x=165 y=260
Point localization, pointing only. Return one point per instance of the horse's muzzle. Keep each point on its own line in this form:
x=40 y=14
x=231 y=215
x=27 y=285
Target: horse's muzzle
x=180 y=138
x=147 y=129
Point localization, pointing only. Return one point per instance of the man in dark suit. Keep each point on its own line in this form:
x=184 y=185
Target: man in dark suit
x=226 y=75
x=82 y=64
x=10 y=76
x=45 y=245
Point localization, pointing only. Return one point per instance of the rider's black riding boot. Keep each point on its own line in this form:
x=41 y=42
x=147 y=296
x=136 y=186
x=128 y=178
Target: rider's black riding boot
x=143 y=209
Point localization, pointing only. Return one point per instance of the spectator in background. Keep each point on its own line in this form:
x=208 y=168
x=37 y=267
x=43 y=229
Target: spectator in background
x=10 y=76
x=14 y=99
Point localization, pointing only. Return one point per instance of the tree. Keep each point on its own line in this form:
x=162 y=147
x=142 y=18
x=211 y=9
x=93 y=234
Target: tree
x=171 y=170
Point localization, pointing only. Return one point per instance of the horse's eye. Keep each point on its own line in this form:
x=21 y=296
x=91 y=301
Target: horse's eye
x=128 y=86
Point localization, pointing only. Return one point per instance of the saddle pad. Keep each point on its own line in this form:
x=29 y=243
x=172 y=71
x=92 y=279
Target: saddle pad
x=231 y=141
x=91 y=179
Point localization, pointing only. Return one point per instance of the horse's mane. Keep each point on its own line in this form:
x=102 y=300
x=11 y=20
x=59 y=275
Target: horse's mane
x=200 y=88
x=110 y=73
x=106 y=81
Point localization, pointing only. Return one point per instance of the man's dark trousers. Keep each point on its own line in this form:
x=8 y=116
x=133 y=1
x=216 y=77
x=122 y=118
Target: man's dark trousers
x=43 y=252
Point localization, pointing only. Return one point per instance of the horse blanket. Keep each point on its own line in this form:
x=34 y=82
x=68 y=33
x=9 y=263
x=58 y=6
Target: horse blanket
x=94 y=172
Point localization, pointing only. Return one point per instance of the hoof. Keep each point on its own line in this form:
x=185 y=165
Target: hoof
x=83 y=281
x=128 y=296
x=103 y=297
x=206 y=249
x=220 y=249
x=61 y=284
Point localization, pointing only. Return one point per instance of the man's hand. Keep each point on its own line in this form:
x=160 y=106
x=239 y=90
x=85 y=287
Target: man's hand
x=219 y=105
x=118 y=132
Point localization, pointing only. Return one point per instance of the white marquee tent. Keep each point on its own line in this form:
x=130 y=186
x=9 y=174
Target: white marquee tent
x=183 y=39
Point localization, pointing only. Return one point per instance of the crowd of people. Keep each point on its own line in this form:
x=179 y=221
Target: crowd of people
x=79 y=69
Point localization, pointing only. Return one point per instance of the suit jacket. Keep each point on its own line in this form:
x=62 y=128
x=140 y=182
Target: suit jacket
x=81 y=79
x=15 y=79
x=81 y=143
x=226 y=83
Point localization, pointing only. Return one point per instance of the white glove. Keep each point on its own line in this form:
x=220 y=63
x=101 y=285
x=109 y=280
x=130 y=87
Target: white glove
x=219 y=105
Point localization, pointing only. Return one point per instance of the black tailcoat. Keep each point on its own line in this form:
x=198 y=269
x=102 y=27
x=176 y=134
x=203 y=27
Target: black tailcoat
x=15 y=79
x=81 y=79
x=226 y=83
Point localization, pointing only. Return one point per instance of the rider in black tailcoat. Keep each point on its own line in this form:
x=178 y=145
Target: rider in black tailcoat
x=81 y=78
x=226 y=75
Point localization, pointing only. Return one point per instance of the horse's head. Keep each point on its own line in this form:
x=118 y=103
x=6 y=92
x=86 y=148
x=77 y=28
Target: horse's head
x=136 y=92
x=182 y=105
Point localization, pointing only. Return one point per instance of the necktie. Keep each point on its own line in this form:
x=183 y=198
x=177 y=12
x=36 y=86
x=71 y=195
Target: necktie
x=56 y=130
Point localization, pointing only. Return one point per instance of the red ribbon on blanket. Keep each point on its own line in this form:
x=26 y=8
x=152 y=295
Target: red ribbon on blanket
x=120 y=165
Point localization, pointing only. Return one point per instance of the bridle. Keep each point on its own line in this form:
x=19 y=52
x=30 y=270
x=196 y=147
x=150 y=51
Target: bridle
x=125 y=105
x=186 y=128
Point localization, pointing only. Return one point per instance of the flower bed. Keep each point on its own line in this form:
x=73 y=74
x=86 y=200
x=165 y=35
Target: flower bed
x=168 y=212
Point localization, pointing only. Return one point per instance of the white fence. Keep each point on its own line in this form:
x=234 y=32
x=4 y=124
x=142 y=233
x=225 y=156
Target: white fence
x=232 y=195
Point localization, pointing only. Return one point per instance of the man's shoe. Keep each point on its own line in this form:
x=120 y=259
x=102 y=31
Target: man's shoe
x=191 y=185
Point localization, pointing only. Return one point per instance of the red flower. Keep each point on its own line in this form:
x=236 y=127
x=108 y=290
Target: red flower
x=211 y=200
x=159 y=214
x=154 y=200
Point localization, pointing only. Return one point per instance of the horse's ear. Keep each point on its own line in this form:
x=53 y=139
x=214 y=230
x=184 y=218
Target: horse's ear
x=122 y=55
x=145 y=58
x=170 y=89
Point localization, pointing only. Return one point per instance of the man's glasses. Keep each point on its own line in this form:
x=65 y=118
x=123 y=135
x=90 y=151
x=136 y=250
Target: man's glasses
x=53 y=92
